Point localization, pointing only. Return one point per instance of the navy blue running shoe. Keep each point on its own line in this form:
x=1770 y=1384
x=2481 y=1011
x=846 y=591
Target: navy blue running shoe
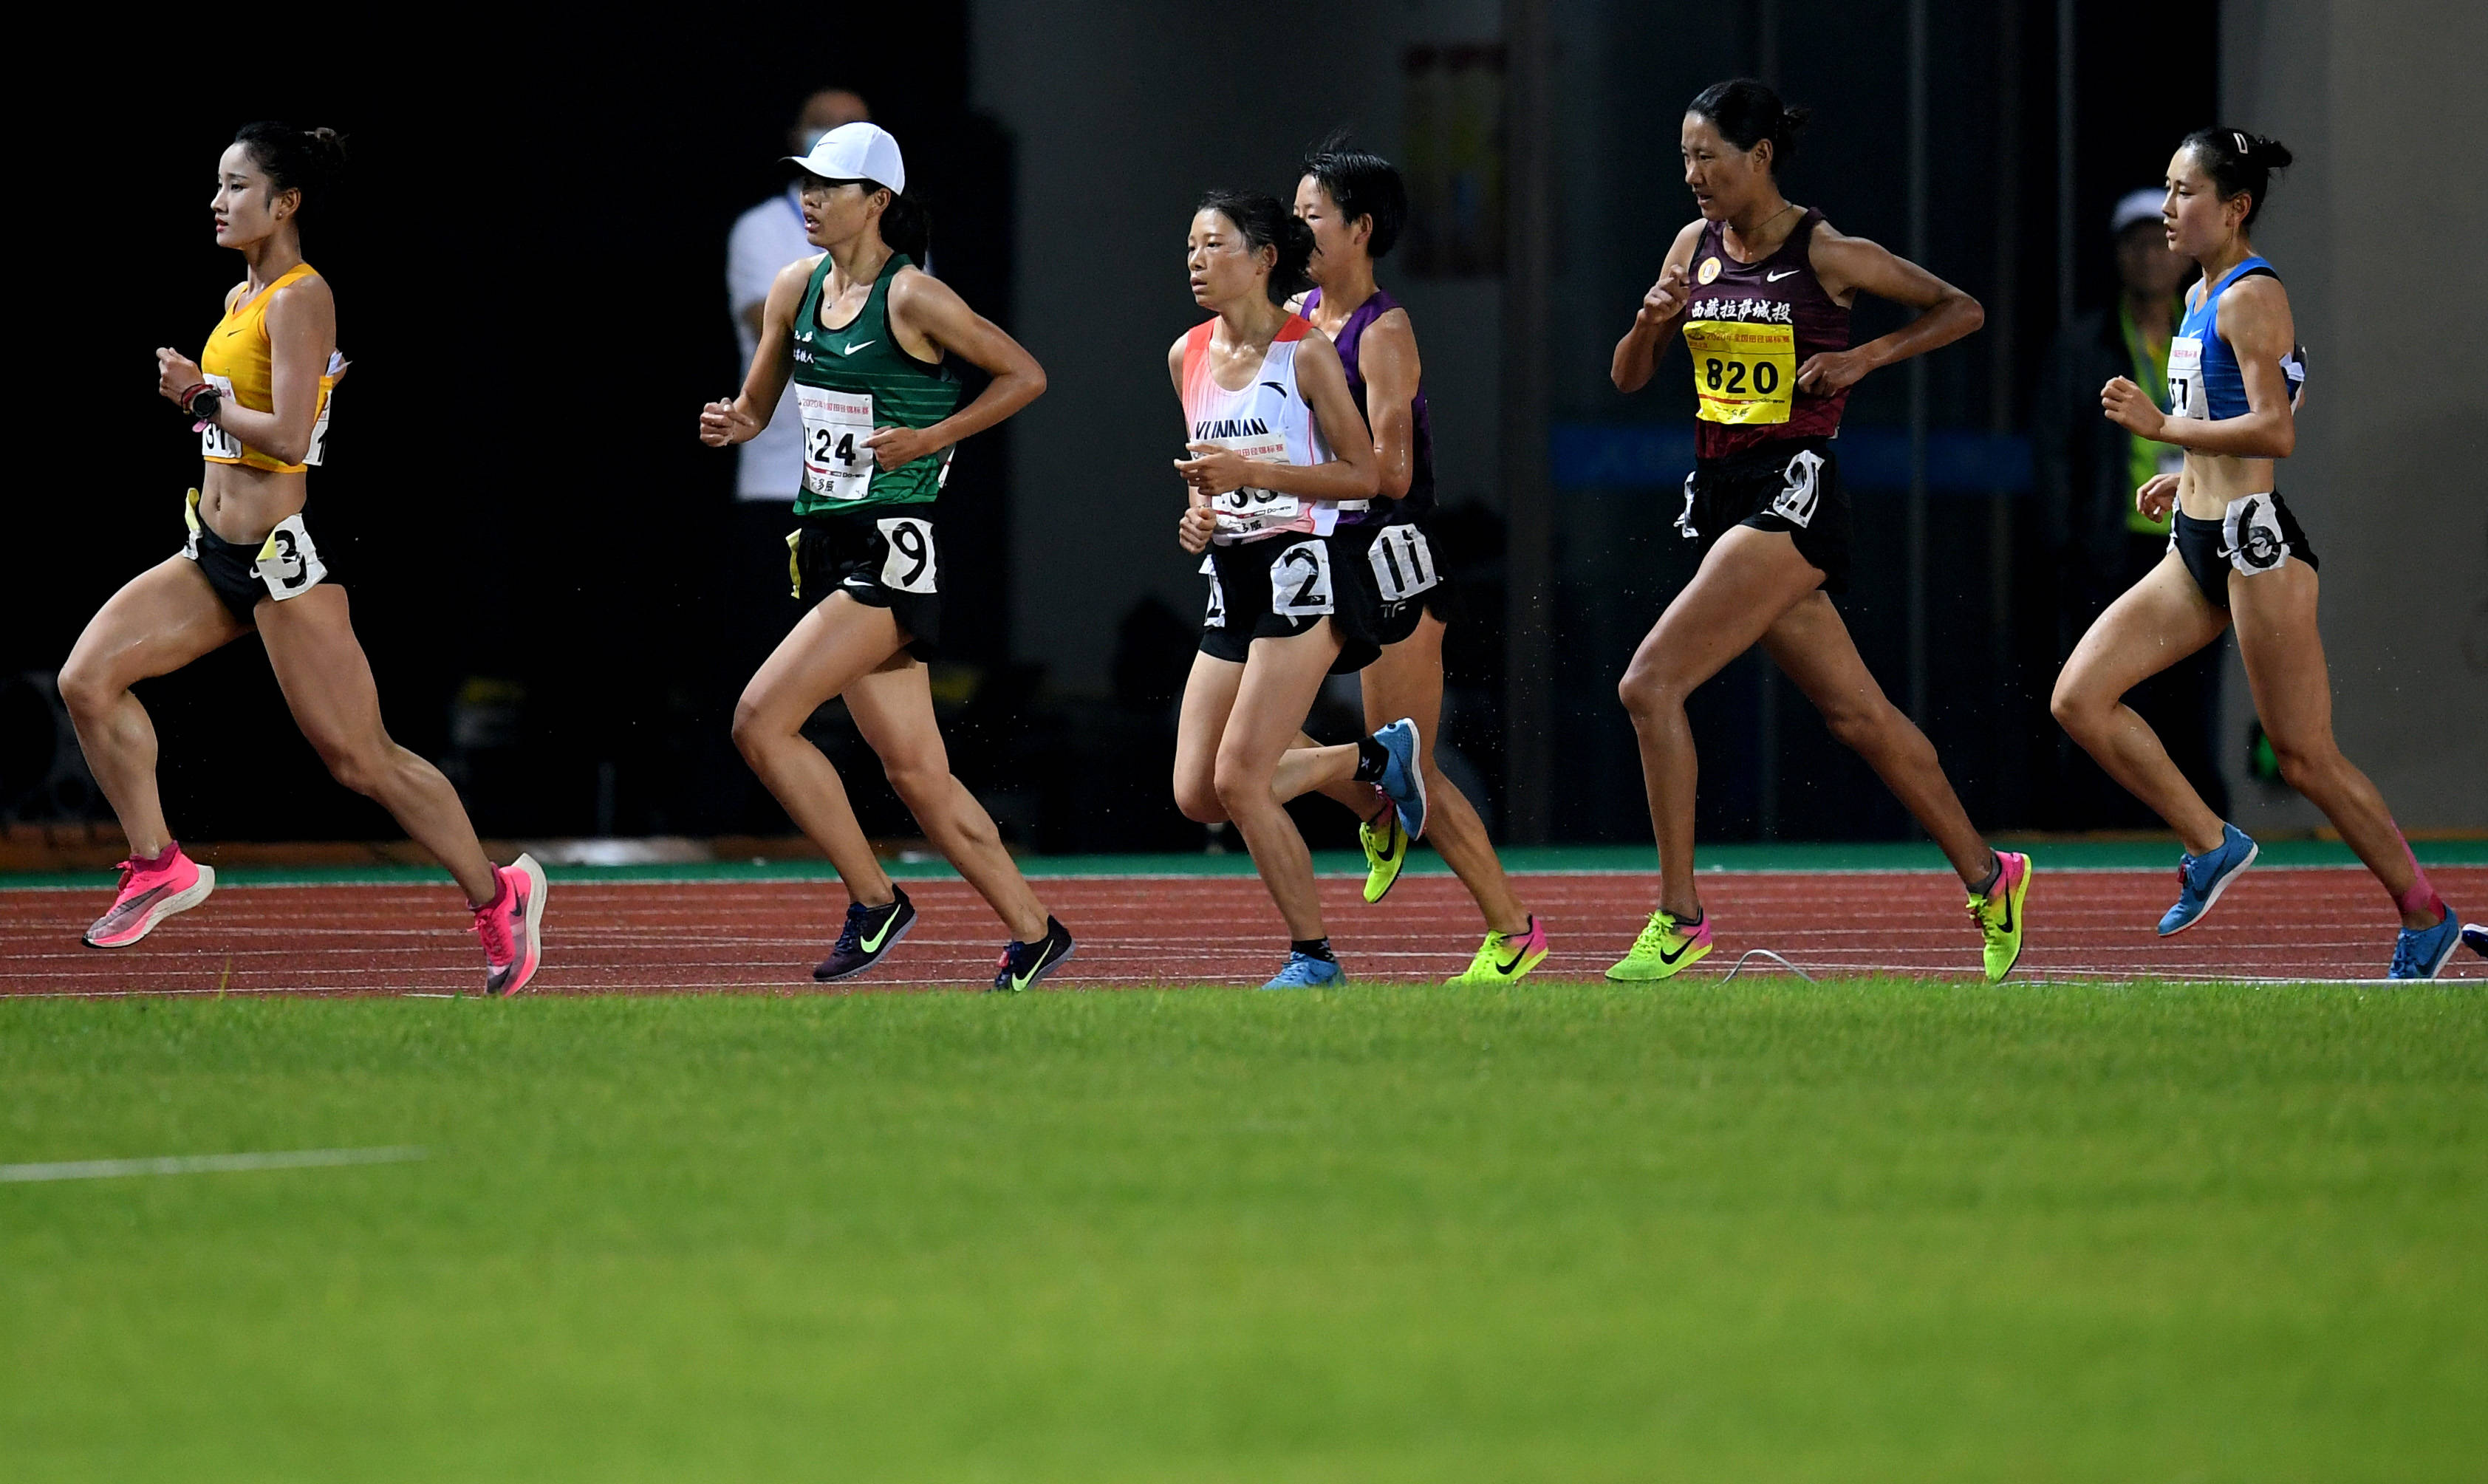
x=2201 y=879
x=2420 y=952
x=870 y=933
x=1306 y=972
x=2474 y=937
x=1403 y=779
x=1024 y=964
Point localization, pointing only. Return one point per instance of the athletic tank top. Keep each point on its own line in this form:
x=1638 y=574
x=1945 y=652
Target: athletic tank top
x=1268 y=420
x=2204 y=381
x=1419 y=501
x=1750 y=325
x=849 y=381
x=235 y=362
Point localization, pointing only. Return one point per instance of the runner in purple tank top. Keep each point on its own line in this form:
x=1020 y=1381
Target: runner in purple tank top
x=1355 y=204
x=1760 y=290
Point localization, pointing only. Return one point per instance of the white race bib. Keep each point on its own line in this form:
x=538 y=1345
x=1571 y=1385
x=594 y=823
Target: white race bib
x=1300 y=581
x=1216 y=617
x=1404 y=563
x=2186 y=396
x=837 y=465
x=909 y=568
x=2250 y=528
x=1800 y=488
x=287 y=564
x=214 y=442
x=1248 y=512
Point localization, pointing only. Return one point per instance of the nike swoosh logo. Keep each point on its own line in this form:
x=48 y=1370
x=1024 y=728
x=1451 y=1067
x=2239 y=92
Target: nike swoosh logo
x=873 y=944
x=1388 y=849
x=852 y=349
x=1772 y=278
x=1665 y=957
x=1506 y=970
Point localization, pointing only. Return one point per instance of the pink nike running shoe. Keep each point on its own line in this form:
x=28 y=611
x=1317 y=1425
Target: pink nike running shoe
x=149 y=894
x=511 y=927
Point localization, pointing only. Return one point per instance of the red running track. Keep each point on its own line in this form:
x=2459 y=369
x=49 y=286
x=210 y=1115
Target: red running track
x=690 y=937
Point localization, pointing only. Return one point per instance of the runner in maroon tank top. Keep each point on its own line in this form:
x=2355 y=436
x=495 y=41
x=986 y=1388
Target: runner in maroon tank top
x=1760 y=290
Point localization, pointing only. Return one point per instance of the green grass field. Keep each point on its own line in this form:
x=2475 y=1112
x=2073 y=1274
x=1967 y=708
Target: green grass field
x=1767 y=1231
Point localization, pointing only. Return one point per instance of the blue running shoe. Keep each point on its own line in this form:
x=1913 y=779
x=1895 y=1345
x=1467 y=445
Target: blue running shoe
x=2201 y=879
x=1402 y=778
x=1304 y=972
x=2420 y=952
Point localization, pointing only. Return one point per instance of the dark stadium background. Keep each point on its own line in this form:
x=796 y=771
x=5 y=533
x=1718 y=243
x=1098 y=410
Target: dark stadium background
x=529 y=274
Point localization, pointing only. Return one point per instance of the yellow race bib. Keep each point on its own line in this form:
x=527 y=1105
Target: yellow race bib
x=1742 y=372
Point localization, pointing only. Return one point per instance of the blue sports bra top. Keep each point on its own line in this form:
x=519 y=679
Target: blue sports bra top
x=2203 y=377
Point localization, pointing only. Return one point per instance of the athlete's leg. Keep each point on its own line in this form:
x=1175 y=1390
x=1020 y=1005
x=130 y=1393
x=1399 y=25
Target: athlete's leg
x=1208 y=699
x=1748 y=580
x=1813 y=646
x=2293 y=695
x=2157 y=622
x=1280 y=682
x=1408 y=681
x=327 y=682
x=159 y=620
x=837 y=643
x=893 y=707
x=1362 y=799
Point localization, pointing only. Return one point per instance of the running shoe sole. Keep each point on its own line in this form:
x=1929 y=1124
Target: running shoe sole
x=1415 y=771
x=2220 y=884
x=538 y=888
x=162 y=907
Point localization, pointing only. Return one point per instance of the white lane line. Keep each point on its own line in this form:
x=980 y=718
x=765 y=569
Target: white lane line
x=207 y=1163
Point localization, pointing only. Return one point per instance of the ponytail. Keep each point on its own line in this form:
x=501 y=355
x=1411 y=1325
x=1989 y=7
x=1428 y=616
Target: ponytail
x=1746 y=112
x=2240 y=164
x=906 y=226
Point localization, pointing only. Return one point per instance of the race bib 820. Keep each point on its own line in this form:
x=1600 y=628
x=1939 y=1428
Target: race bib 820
x=1742 y=372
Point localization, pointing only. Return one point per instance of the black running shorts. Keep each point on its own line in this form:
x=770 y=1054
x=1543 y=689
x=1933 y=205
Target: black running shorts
x=281 y=565
x=1401 y=565
x=882 y=557
x=1281 y=586
x=2257 y=535
x=1789 y=485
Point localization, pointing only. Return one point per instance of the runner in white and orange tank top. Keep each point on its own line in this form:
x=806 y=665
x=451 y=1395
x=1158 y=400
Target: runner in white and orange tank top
x=1276 y=446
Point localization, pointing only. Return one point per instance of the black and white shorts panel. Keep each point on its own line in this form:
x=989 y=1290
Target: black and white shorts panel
x=2256 y=534
x=883 y=558
x=1405 y=570
x=1281 y=586
x=284 y=564
x=1791 y=485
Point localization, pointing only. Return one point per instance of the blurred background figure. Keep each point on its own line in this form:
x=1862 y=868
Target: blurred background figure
x=2088 y=469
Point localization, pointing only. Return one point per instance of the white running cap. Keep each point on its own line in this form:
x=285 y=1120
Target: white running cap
x=856 y=152
x=2132 y=207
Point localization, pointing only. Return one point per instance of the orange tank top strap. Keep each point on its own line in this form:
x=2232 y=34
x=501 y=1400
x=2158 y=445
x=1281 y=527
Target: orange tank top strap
x=238 y=362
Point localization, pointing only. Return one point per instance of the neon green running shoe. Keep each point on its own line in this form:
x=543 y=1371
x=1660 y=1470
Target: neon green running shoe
x=1386 y=850
x=1663 y=950
x=1999 y=913
x=1505 y=957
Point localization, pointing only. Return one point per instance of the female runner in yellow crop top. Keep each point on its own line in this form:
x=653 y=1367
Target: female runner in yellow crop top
x=259 y=396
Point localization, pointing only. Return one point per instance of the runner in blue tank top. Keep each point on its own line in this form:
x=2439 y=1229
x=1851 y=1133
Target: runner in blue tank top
x=2236 y=552
x=1356 y=204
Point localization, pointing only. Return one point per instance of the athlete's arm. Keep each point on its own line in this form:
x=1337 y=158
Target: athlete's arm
x=1388 y=357
x=1848 y=265
x=301 y=331
x=2254 y=319
x=740 y=419
x=1354 y=473
x=1199 y=522
x=922 y=303
x=1662 y=310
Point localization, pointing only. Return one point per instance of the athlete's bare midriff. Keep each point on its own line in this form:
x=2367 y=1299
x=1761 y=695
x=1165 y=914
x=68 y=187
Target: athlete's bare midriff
x=243 y=504
x=2210 y=481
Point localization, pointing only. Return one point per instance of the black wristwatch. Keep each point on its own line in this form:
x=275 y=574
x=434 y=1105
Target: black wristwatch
x=204 y=402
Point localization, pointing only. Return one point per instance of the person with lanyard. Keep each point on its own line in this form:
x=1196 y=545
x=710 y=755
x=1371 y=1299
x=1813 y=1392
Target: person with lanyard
x=867 y=339
x=257 y=397
x=1356 y=204
x=2236 y=557
x=1274 y=448
x=1760 y=289
x=2086 y=471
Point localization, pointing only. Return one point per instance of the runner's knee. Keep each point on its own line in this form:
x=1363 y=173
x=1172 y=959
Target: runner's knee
x=921 y=783
x=357 y=763
x=88 y=690
x=1197 y=799
x=1238 y=785
x=1646 y=691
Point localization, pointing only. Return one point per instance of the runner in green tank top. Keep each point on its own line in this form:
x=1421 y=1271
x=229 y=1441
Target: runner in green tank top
x=867 y=339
